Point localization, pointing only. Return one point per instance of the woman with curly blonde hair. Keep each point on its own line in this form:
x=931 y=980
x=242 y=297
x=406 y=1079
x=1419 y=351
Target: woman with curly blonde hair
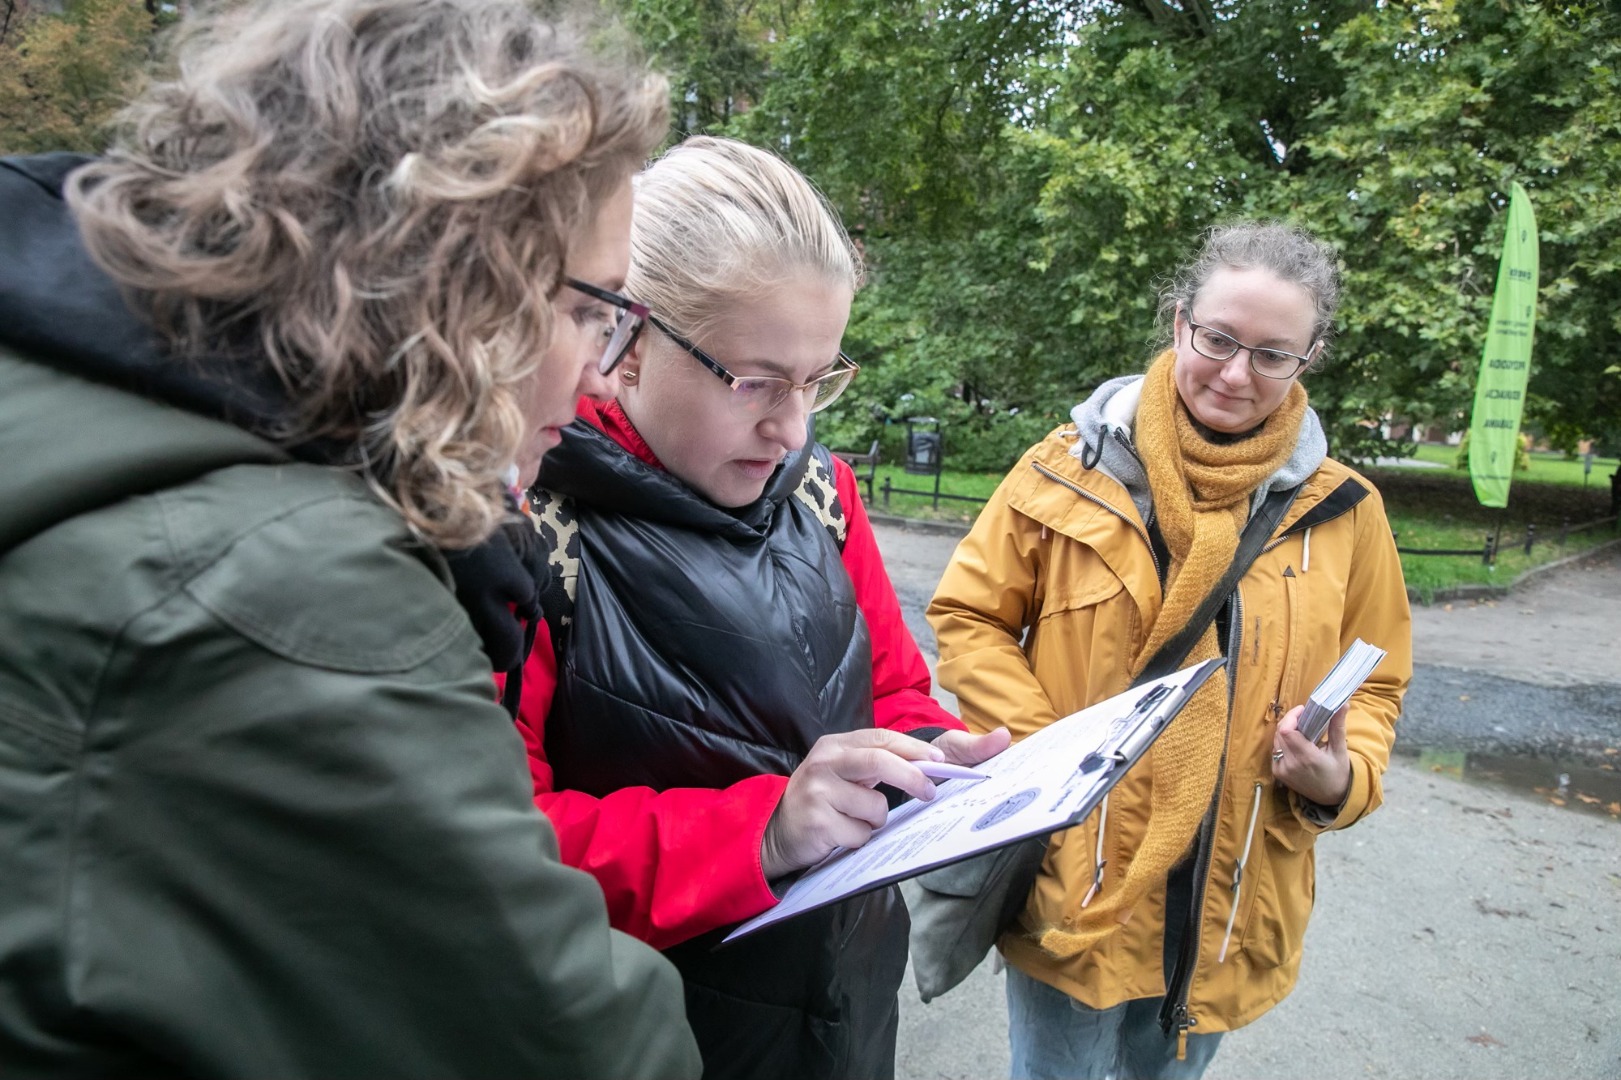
x=266 y=372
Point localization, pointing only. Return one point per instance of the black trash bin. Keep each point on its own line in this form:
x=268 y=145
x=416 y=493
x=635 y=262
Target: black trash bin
x=923 y=453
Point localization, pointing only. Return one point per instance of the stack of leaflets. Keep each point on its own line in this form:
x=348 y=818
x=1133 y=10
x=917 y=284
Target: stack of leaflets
x=1338 y=686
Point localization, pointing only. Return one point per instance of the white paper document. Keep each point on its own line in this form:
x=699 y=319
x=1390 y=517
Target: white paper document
x=1338 y=686
x=1049 y=781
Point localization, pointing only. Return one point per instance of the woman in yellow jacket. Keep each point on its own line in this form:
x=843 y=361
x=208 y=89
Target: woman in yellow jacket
x=1176 y=912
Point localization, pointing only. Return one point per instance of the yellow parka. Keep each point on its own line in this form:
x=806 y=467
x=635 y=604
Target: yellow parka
x=1039 y=614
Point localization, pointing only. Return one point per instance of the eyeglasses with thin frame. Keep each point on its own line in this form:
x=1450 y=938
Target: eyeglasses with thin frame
x=618 y=333
x=758 y=396
x=1215 y=345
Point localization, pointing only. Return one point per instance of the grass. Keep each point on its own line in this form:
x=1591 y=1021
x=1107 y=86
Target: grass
x=1428 y=508
x=1436 y=508
x=977 y=485
x=1549 y=467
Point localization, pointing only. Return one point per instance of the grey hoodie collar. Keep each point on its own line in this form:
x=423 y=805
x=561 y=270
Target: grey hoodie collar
x=1104 y=424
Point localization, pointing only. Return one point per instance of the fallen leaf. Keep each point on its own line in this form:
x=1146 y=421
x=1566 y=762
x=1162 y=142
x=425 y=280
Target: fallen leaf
x=1606 y=766
x=1484 y=1039
x=1446 y=607
x=1556 y=800
x=1590 y=800
x=1614 y=808
x=1463 y=697
x=1610 y=751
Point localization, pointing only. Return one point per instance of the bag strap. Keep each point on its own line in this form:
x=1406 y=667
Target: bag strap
x=1261 y=526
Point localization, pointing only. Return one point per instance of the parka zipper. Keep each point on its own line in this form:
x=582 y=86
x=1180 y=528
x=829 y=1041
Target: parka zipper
x=1099 y=500
x=1120 y=437
x=1238 y=873
x=1174 y=1011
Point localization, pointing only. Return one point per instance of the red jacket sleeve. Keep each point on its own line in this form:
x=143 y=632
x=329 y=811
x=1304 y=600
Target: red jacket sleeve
x=677 y=863
x=672 y=864
x=900 y=677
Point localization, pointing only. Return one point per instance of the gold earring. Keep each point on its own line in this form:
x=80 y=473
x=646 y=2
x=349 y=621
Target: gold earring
x=628 y=375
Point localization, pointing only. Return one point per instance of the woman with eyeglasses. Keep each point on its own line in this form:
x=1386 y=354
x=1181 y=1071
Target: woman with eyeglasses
x=264 y=366
x=722 y=678
x=1176 y=912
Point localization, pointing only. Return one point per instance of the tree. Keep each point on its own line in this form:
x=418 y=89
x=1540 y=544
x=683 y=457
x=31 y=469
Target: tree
x=1444 y=105
x=1022 y=176
x=1117 y=139
x=714 y=52
x=64 y=76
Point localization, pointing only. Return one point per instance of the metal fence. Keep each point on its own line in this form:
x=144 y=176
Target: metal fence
x=1494 y=541
x=889 y=489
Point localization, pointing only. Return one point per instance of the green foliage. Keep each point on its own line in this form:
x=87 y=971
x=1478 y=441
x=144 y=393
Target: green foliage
x=1443 y=105
x=1522 y=454
x=1021 y=174
x=900 y=110
x=63 y=77
x=714 y=52
x=1021 y=177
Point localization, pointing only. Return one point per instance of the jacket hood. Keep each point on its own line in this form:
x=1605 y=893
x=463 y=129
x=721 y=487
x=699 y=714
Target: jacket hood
x=85 y=389
x=1105 y=421
x=62 y=309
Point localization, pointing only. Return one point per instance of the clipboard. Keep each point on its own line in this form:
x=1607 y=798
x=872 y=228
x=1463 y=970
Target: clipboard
x=1049 y=781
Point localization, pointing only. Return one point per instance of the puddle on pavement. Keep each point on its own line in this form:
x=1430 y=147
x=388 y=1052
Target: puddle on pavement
x=1585 y=788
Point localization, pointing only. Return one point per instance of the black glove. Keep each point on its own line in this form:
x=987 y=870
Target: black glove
x=499 y=583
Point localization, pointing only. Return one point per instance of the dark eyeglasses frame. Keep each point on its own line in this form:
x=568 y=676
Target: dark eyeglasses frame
x=850 y=369
x=631 y=320
x=1239 y=346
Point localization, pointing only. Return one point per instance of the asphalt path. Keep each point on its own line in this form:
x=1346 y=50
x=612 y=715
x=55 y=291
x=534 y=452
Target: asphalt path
x=1470 y=928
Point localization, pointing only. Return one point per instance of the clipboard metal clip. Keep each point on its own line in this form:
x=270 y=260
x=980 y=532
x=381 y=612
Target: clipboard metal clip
x=1139 y=713
x=1094 y=761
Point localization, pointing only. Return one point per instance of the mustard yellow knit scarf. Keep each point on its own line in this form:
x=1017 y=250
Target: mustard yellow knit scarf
x=1202 y=493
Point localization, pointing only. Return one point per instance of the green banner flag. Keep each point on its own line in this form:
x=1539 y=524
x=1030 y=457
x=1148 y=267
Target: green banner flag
x=1505 y=365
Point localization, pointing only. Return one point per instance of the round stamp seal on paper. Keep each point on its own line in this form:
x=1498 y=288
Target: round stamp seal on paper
x=1006 y=808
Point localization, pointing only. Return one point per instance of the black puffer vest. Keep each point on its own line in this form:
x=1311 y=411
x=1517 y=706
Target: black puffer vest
x=703 y=646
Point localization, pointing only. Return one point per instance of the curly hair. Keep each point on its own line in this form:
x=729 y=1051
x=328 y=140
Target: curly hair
x=376 y=198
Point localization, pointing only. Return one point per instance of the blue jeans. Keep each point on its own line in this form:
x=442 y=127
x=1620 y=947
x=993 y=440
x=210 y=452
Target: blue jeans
x=1055 y=1037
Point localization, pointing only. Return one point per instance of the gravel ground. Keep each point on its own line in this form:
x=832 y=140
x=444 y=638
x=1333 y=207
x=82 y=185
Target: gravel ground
x=1468 y=929
x=1452 y=709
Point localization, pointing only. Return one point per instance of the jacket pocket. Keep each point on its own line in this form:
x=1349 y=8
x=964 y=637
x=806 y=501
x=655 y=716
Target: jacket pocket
x=1282 y=901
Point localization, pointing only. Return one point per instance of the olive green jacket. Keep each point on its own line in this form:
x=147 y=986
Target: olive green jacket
x=260 y=815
